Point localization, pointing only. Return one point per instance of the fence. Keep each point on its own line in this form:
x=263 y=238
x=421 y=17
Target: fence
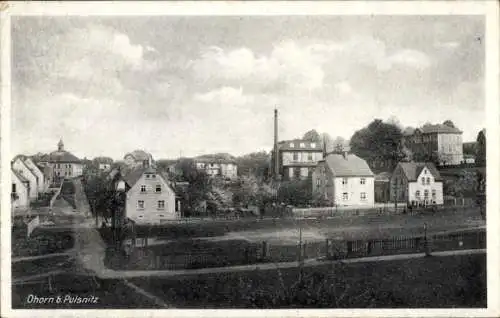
x=142 y=258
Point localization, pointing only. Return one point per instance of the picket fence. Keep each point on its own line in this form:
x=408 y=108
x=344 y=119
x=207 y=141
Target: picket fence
x=327 y=249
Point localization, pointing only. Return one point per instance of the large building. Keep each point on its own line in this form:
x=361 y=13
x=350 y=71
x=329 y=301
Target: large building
x=344 y=180
x=417 y=184
x=439 y=143
x=150 y=196
x=298 y=158
x=60 y=165
x=222 y=167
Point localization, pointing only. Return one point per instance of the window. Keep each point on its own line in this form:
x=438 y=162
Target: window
x=426 y=194
x=297 y=173
x=304 y=172
x=318 y=182
x=428 y=180
x=302 y=145
x=292 y=145
x=158 y=188
x=141 y=216
x=344 y=180
x=140 y=204
x=362 y=180
x=69 y=173
x=417 y=194
x=69 y=165
x=295 y=156
x=433 y=194
x=363 y=196
x=147 y=176
x=58 y=173
x=313 y=145
x=143 y=189
x=14 y=188
x=423 y=181
x=344 y=196
x=310 y=156
x=153 y=176
x=425 y=171
x=161 y=204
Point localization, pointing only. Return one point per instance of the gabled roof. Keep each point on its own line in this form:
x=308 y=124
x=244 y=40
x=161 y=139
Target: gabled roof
x=24 y=164
x=20 y=176
x=413 y=169
x=348 y=165
x=132 y=176
x=139 y=155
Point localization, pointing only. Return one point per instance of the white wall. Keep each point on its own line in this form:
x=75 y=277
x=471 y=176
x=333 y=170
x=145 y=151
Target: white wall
x=354 y=188
x=42 y=186
x=21 y=167
x=287 y=157
x=21 y=190
x=151 y=213
x=413 y=187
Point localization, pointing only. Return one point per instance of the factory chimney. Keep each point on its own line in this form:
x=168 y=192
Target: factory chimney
x=276 y=154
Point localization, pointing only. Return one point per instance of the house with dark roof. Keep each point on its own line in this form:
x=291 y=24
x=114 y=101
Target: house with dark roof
x=150 y=197
x=441 y=144
x=63 y=165
x=297 y=158
x=20 y=190
x=417 y=184
x=344 y=180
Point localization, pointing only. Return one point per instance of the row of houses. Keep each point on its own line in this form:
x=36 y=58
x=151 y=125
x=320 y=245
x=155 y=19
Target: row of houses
x=344 y=179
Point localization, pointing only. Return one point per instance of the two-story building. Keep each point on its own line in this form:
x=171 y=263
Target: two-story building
x=417 y=184
x=150 y=196
x=344 y=180
x=213 y=167
x=19 y=191
x=298 y=158
x=59 y=165
x=439 y=143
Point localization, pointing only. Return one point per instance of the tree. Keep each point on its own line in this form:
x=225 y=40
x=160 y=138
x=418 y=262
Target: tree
x=312 y=135
x=481 y=149
x=254 y=164
x=449 y=123
x=379 y=142
x=249 y=190
x=296 y=192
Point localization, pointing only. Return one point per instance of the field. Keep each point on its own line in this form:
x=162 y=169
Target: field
x=433 y=282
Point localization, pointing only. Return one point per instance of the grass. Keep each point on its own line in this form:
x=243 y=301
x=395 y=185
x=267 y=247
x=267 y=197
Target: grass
x=434 y=282
x=42 y=241
x=39 y=266
x=112 y=294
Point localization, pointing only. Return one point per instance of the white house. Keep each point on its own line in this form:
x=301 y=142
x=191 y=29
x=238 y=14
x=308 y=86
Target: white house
x=417 y=183
x=226 y=168
x=19 y=190
x=344 y=180
x=150 y=197
x=42 y=184
x=20 y=167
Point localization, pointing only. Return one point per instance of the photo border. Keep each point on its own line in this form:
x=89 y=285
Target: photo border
x=265 y=8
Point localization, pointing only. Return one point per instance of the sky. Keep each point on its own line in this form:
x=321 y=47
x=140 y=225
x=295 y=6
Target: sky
x=185 y=86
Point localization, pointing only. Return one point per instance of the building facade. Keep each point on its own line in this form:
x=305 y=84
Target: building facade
x=343 y=180
x=22 y=168
x=382 y=187
x=59 y=165
x=20 y=190
x=150 y=196
x=138 y=158
x=38 y=171
x=417 y=184
x=439 y=143
x=298 y=158
x=103 y=163
x=217 y=167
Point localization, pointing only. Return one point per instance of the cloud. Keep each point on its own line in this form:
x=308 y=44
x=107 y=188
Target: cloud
x=410 y=58
x=343 y=88
x=447 y=45
x=224 y=96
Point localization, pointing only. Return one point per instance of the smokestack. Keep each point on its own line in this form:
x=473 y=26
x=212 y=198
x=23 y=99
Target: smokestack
x=276 y=155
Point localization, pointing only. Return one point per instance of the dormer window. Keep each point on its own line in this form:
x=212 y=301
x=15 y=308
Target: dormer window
x=147 y=176
x=158 y=188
